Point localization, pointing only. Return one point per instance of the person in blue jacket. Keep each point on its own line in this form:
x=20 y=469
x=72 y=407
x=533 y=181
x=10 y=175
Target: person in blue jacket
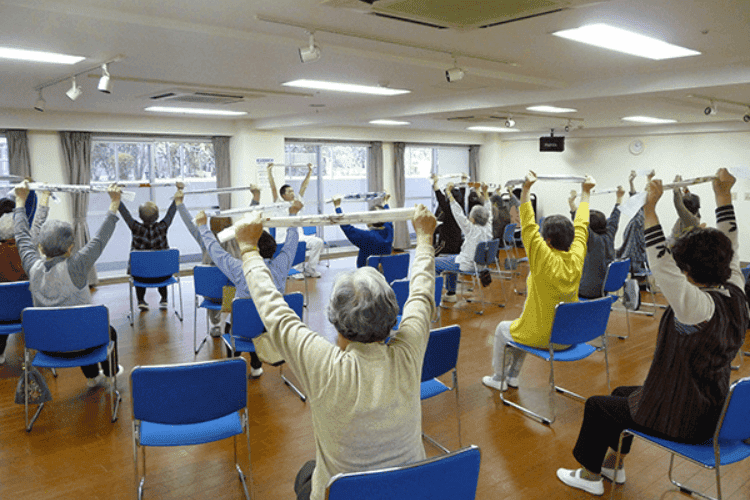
x=377 y=239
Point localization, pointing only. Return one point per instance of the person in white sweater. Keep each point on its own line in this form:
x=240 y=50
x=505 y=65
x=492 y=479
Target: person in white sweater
x=364 y=394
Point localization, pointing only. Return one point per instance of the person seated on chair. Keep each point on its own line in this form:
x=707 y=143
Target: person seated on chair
x=58 y=276
x=448 y=237
x=231 y=266
x=600 y=247
x=364 y=394
x=699 y=334
x=633 y=245
x=556 y=255
x=230 y=246
x=688 y=207
x=149 y=234
x=377 y=239
x=313 y=243
x=476 y=229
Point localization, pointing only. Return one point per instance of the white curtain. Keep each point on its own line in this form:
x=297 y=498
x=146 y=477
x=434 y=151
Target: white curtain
x=223 y=170
x=375 y=168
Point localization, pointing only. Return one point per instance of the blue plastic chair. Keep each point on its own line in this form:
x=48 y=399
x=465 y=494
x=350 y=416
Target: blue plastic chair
x=15 y=297
x=485 y=256
x=247 y=324
x=575 y=324
x=65 y=330
x=446 y=477
x=730 y=444
x=393 y=267
x=440 y=358
x=155 y=264
x=401 y=289
x=299 y=258
x=189 y=404
x=209 y=284
x=746 y=272
x=614 y=281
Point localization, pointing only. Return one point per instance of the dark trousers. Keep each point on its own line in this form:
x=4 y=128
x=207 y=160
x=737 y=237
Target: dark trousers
x=254 y=359
x=604 y=418
x=140 y=292
x=91 y=371
x=3 y=343
x=303 y=481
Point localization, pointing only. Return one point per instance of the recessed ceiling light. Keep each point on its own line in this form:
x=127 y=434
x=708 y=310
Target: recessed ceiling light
x=37 y=56
x=389 y=122
x=344 y=87
x=648 y=119
x=551 y=109
x=481 y=128
x=195 y=111
x=620 y=40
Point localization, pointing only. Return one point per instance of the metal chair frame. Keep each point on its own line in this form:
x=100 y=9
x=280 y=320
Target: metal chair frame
x=209 y=283
x=485 y=256
x=169 y=263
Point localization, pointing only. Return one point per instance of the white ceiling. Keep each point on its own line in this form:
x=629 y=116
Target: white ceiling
x=230 y=46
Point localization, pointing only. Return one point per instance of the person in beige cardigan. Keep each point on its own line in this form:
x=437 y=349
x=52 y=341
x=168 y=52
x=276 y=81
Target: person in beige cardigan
x=364 y=394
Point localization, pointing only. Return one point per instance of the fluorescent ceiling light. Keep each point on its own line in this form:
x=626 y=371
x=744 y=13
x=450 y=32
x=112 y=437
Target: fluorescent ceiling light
x=551 y=109
x=620 y=40
x=195 y=111
x=648 y=119
x=36 y=56
x=389 y=122
x=344 y=87
x=481 y=128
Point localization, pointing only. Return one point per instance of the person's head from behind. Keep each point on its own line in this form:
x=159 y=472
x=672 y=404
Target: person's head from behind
x=148 y=212
x=6 y=227
x=287 y=192
x=704 y=254
x=693 y=203
x=479 y=215
x=56 y=238
x=376 y=225
x=7 y=206
x=558 y=232
x=597 y=222
x=266 y=245
x=474 y=199
x=363 y=306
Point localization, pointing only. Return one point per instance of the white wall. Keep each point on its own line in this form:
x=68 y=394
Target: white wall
x=610 y=161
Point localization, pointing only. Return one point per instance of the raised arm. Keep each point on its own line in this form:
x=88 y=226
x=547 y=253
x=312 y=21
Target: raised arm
x=305 y=182
x=272 y=182
x=126 y=217
x=687 y=218
x=179 y=198
x=40 y=216
x=26 y=249
x=169 y=216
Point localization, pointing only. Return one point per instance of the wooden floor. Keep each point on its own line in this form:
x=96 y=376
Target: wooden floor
x=74 y=451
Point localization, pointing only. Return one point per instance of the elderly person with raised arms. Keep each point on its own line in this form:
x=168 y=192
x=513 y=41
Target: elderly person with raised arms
x=364 y=394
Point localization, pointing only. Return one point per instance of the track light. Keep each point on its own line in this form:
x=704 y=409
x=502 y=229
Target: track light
x=711 y=109
x=105 y=84
x=454 y=74
x=311 y=53
x=510 y=122
x=75 y=91
x=40 y=102
x=569 y=126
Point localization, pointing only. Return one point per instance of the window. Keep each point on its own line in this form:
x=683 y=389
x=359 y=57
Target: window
x=5 y=183
x=337 y=169
x=150 y=160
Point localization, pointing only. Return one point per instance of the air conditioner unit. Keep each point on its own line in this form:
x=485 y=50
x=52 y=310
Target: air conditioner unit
x=458 y=14
x=194 y=96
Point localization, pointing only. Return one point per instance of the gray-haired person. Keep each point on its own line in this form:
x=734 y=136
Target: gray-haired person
x=57 y=275
x=363 y=393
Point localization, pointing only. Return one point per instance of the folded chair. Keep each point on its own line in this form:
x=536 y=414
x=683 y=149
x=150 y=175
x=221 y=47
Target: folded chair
x=446 y=477
x=209 y=284
x=575 y=324
x=64 y=330
x=189 y=404
x=155 y=264
x=730 y=444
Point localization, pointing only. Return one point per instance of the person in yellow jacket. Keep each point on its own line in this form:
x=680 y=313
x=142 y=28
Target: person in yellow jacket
x=556 y=256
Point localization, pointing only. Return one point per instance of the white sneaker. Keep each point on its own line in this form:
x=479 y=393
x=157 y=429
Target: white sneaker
x=163 y=305
x=2 y=359
x=450 y=297
x=142 y=306
x=498 y=385
x=215 y=331
x=96 y=381
x=573 y=478
x=618 y=475
x=298 y=276
x=512 y=382
x=312 y=274
x=256 y=372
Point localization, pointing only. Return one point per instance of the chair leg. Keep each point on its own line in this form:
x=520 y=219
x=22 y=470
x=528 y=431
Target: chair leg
x=291 y=385
x=130 y=296
x=526 y=411
x=243 y=476
x=690 y=491
x=114 y=394
x=27 y=367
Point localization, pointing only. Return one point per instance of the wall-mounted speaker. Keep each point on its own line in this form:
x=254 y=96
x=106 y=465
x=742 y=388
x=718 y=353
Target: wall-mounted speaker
x=554 y=144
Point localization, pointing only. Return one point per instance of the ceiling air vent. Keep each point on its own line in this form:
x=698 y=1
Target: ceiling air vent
x=458 y=14
x=477 y=118
x=197 y=96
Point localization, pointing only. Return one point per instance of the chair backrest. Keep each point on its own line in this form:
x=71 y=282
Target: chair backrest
x=395 y=266
x=438 y=290
x=441 y=354
x=246 y=321
x=299 y=257
x=154 y=263
x=509 y=234
x=617 y=273
x=308 y=230
x=296 y=301
x=65 y=329
x=578 y=322
x=401 y=289
x=209 y=281
x=746 y=272
x=454 y=476
x=734 y=423
x=188 y=393
x=14 y=297
x=486 y=252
